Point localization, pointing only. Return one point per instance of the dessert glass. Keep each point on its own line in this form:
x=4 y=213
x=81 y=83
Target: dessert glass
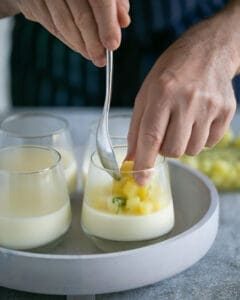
x=34 y=202
x=124 y=211
x=42 y=129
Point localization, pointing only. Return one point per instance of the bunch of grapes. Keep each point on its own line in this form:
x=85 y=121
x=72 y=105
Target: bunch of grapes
x=221 y=163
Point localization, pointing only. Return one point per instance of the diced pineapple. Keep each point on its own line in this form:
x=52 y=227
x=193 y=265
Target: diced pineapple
x=143 y=192
x=117 y=188
x=156 y=205
x=140 y=200
x=146 y=208
x=130 y=188
x=127 y=166
x=133 y=204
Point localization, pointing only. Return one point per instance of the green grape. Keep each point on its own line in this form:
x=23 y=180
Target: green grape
x=205 y=165
x=191 y=161
x=221 y=167
x=226 y=140
x=221 y=163
x=236 y=142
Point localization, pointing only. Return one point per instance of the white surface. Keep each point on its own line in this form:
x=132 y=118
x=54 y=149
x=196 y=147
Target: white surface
x=5 y=29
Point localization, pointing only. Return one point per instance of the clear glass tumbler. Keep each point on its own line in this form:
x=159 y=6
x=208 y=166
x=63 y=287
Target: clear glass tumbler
x=123 y=210
x=33 y=128
x=34 y=202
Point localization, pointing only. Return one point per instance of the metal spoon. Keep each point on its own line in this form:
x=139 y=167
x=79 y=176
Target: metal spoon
x=103 y=141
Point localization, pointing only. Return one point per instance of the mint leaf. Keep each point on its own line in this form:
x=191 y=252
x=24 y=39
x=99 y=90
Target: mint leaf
x=119 y=202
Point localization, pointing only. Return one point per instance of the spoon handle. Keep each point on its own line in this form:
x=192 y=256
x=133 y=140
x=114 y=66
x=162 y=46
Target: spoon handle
x=109 y=74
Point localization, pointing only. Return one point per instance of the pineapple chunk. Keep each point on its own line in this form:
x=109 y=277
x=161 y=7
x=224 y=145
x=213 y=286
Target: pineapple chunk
x=146 y=208
x=133 y=204
x=156 y=205
x=117 y=188
x=143 y=192
x=140 y=200
x=127 y=167
x=130 y=188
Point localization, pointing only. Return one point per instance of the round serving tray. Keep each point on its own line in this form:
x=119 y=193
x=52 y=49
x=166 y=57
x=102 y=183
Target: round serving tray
x=76 y=266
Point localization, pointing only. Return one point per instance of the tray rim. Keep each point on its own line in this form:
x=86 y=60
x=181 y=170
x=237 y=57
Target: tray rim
x=213 y=207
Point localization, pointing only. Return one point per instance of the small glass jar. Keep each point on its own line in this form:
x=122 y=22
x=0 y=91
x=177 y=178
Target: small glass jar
x=34 y=202
x=42 y=129
x=122 y=210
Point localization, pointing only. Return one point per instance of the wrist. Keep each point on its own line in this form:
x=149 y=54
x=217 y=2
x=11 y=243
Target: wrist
x=228 y=21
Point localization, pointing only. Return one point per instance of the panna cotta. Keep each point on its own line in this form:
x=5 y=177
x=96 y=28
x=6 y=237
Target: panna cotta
x=28 y=232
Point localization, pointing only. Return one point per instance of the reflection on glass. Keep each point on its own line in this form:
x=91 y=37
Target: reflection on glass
x=45 y=130
x=34 y=201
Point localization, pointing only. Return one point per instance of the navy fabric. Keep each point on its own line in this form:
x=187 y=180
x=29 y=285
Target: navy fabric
x=45 y=72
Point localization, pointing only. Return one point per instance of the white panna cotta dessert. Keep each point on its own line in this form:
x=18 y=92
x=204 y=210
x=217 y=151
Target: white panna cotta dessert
x=124 y=210
x=34 y=203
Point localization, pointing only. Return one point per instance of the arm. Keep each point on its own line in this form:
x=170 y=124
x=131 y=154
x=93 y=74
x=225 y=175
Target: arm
x=230 y=19
x=187 y=101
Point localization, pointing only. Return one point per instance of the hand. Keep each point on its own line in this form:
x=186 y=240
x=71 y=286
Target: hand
x=187 y=100
x=86 y=26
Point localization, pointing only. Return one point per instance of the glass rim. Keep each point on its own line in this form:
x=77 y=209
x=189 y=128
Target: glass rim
x=158 y=164
x=42 y=170
x=20 y=115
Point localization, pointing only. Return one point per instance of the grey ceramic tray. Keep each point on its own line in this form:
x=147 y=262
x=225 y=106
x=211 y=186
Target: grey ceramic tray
x=76 y=267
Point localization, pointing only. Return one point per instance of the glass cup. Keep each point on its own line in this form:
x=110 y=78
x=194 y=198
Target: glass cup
x=34 y=202
x=123 y=211
x=42 y=129
x=118 y=129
